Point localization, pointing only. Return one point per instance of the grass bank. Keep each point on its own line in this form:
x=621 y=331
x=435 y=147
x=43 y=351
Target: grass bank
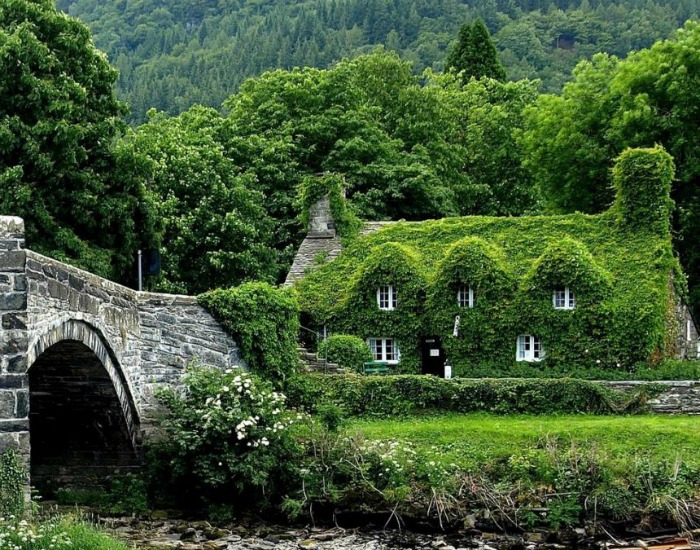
x=65 y=532
x=525 y=471
x=468 y=438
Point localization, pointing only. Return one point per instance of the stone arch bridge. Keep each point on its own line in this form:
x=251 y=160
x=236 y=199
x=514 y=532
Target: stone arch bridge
x=81 y=358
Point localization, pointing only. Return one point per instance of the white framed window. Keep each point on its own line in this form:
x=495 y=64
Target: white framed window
x=386 y=297
x=465 y=296
x=384 y=349
x=529 y=348
x=563 y=298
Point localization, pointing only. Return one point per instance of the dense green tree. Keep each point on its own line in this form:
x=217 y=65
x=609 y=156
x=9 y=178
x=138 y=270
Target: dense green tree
x=652 y=97
x=458 y=58
x=474 y=55
x=565 y=140
x=171 y=54
x=407 y=148
x=58 y=120
x=216 y=232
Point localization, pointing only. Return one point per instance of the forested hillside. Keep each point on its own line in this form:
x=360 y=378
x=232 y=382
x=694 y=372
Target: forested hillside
x=174 y=53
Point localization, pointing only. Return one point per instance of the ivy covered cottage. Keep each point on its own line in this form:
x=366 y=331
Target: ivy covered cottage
x=485 y=293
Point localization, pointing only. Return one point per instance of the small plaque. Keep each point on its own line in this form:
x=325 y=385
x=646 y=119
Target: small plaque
x=434 y=353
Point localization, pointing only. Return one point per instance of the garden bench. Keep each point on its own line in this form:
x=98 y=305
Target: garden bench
x=376 y=367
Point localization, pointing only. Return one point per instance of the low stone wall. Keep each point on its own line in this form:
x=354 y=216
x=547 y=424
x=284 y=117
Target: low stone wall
x=680 y=396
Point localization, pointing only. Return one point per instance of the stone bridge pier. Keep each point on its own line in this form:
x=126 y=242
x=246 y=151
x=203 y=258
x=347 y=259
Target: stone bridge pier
x=80 y=360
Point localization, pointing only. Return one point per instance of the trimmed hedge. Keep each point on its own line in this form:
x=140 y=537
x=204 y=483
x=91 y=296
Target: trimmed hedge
x=407 y=394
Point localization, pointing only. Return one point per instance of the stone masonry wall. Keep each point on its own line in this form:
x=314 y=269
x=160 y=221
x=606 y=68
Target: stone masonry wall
x=679 y=397
x=176 y=330
x=14 y=387
x=144 y=340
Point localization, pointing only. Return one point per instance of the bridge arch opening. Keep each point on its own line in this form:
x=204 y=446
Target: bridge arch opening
x=81 y=423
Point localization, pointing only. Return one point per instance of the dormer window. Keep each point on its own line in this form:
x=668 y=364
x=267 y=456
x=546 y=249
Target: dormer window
x=386 y=297
x=465 y=296
x=563 y=298
x=529 y=348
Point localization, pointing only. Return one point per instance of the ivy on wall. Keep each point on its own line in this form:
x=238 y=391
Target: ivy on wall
x=481 y=266
x=623 y=281
x=643 y=179
x=263 y=321
x=566 y=263
x=313 y=188
x=392 y=264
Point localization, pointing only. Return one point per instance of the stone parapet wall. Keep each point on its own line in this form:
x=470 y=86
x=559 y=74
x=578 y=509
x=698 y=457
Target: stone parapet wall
x=176 y=330
x=144 y=340
x=679 y=397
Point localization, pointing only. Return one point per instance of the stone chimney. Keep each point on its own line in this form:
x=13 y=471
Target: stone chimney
x=321 y=223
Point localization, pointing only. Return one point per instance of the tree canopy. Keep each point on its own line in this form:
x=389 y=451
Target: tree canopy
x=59 y=118
x=652 y=97
x=216 y=233
x=407 y=149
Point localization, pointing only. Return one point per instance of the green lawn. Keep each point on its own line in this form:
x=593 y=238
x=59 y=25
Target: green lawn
x=471 y=439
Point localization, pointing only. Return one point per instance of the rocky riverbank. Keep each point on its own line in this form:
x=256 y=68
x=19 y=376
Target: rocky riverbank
x=182 y=535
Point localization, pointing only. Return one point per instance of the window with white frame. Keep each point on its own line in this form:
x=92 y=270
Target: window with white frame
x=384 y=349
x=529 y=348
x=465 y=296
x=563 y=298
x=386 y=297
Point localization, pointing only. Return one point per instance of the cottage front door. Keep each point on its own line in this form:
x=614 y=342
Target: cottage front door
x=432 y=357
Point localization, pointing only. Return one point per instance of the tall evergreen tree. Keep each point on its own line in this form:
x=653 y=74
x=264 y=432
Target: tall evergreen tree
x=475 y=55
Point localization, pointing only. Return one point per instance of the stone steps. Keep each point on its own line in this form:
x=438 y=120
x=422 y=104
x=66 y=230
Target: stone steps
x=313 y=363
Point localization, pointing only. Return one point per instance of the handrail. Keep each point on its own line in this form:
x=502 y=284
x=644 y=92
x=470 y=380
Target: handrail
x=318 y=334
x=318 y=337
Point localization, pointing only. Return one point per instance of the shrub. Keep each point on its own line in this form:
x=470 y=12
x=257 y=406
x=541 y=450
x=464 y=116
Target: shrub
x=264 y=322
x=226 y=441
x=13 y=478
x=403 y=394
x=349 y=352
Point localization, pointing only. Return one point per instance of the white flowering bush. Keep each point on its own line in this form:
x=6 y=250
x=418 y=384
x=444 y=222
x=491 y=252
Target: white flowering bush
x=349 y=472
x=22 y=535
x=228 y=436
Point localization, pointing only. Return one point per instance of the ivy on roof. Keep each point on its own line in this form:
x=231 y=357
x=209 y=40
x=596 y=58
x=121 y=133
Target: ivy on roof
x=622 y=274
